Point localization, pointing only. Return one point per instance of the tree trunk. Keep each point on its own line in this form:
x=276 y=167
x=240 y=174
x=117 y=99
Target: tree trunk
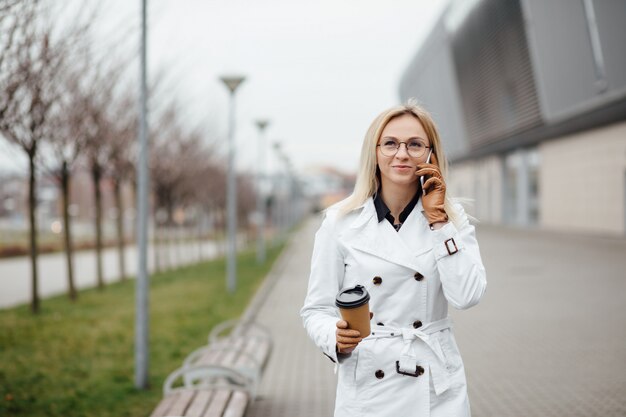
x=133 y=186
x=200 y=226
x=179 y=241
x=156 y=248
x=65 y=191
x=224 y=237
x=96 y=176
x=171 y=238
x=175 y=238
x=32 y=207
x=165 y=248
x=117 y=187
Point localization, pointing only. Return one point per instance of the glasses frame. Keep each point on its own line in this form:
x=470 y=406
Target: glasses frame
x=407 y=149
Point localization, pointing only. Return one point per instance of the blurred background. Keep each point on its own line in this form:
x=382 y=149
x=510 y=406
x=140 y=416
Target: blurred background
x=529 y=97
x=316 y=74
x=531 y=112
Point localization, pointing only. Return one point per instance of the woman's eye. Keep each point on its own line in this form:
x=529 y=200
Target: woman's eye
x=390 y=143
x=416 y=145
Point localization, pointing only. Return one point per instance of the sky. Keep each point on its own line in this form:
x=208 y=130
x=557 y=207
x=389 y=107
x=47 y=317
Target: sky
x=319 y=71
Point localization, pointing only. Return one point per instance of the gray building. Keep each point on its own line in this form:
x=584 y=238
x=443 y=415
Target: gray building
x=530 y=99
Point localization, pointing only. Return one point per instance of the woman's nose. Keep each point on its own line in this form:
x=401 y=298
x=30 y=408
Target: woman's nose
x=403 y=151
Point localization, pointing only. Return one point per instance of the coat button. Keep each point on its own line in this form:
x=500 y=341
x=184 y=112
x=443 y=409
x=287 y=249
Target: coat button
x=417 y=324
x=380 y=374
x=420 y=370
x=377 y=280
x=418 y=276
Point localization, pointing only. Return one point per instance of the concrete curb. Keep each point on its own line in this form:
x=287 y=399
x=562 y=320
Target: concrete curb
x=270 y=280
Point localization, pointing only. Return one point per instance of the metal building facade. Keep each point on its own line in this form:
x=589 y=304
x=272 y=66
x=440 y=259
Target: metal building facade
x=528 y=95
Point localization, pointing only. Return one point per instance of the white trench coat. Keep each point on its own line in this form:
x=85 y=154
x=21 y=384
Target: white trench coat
x=411 y=277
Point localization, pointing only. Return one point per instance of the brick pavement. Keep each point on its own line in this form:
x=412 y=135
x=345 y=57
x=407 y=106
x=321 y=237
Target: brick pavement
x=548 y=338
x=299 y=380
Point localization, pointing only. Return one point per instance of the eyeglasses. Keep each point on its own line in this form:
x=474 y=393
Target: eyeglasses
x=414 y=147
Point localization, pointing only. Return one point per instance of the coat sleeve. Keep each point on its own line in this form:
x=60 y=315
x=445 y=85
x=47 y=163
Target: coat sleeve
x=462 y=273
x=319 y=314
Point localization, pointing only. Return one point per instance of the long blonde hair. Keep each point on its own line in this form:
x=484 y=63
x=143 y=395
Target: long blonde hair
x=367 y=180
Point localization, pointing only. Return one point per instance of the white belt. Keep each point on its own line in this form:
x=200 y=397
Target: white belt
x=407 y=364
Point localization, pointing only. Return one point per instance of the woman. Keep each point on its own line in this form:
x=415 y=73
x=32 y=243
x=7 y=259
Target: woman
x=415 y=252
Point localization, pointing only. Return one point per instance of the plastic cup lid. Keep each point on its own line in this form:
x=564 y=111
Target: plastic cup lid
x=352 y=297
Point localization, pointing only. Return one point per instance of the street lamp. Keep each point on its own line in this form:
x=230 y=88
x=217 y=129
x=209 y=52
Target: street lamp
x=281 y=212
x=231 y=82
x=260 y=200
x=142 y=317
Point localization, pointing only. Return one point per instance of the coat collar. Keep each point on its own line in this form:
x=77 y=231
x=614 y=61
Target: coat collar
x=381 y=240
x=368 y=211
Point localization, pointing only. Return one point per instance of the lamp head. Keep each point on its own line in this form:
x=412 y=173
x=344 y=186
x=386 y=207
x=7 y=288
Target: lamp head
x=232 y=81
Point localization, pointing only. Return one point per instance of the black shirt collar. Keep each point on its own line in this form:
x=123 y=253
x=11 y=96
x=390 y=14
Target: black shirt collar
x=383 y=212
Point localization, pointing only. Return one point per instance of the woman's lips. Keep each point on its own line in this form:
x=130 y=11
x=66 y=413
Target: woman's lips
x=401 y=167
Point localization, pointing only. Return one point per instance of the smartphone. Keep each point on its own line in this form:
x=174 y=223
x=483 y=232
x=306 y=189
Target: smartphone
x=430 y=151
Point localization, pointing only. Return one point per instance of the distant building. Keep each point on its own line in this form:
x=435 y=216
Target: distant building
x=327 y=185
x=13 y=201
x=14 y=204
x=530 y=98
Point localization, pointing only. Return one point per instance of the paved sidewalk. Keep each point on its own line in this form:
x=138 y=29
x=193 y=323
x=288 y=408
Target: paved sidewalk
x=299 y=380
x=548 y=339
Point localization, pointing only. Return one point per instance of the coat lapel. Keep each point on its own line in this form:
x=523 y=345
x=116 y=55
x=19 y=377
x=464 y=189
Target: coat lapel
x=379 y=239
x=415 y=231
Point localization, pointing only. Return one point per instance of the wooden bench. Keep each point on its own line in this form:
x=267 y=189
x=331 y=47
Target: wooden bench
x=219 y=379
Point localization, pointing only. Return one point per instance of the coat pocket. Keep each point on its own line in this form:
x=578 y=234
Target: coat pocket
x=450 y=351
x=347 y=368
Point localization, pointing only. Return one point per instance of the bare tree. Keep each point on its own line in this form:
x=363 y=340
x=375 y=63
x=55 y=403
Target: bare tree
x=246 y=201
x=122 y=157
x=182 y=165
x=99 y=133
x=167 y=171
x=32 y=59
x=65 y=144
x=211 y=196
x=196 y=157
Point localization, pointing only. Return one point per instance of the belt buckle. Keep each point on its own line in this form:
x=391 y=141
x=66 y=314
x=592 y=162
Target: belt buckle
x=418 y=370
x=448 y=248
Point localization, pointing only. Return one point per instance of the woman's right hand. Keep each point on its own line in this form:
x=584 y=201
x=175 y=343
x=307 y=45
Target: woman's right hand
x=346 y=339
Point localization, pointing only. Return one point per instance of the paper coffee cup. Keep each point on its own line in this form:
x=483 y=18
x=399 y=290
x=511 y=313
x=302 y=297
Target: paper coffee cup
x=353 y=305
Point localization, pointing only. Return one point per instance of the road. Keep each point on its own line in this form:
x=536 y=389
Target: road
x=15 y=273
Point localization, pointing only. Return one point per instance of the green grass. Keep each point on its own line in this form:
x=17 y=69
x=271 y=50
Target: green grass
x=76 y=359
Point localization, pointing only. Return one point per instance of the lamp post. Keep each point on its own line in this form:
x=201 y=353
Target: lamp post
x=282 y=202
x=231 y=82
x=142 y=318
x=260 y=200
x=276 y=187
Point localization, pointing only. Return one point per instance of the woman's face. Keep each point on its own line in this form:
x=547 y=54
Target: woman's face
x=400 y=168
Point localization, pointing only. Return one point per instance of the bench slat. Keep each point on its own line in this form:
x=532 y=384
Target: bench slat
x=260 y=351
x=218 y=403
x=231 y=358
x=247 y=350
x=164 y=406
x=237 y=405
x=180 y=406
x=211 y=357
x=199 y=404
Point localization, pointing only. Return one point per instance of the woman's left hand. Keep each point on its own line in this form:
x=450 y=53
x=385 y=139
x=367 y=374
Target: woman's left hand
x=434 y=191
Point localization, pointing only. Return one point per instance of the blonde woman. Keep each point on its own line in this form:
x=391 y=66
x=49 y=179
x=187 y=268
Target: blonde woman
x=401 y=237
